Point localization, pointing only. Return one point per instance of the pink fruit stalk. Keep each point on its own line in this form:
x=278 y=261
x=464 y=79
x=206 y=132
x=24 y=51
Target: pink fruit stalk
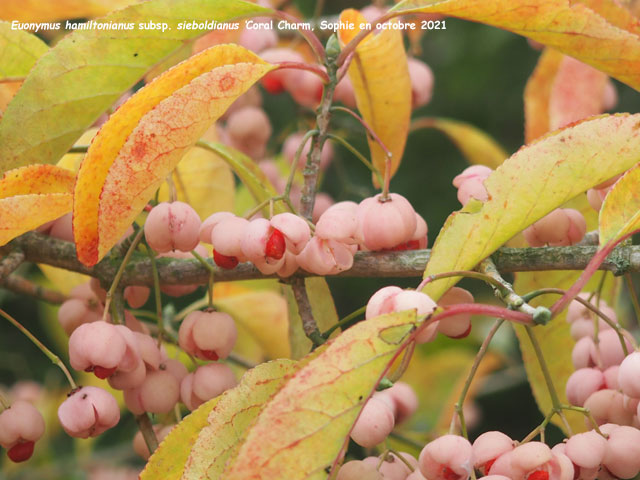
x=172 y=226
x=88 y=412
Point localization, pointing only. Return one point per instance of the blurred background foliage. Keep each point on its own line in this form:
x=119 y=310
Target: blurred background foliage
x=480 y=75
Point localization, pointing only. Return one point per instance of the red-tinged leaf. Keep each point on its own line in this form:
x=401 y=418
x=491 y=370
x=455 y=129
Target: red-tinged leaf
x=537 y=179
x=316 y=408
x=230 y=420
x=561 y=90
x=31 y=196
x=89 y=69
x=145 y=139
x=592 y=31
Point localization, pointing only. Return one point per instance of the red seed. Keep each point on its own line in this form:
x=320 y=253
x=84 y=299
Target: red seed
x=21 y=451
x=103 y=373
x=276 y=245
x=449 y=474
x=272 y=84
x=210 y=355
x=538 y=475
x=488 y=465
x=224 y=261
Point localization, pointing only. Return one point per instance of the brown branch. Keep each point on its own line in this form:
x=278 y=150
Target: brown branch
x=23 y=286
x=309 y=324
x=40 y=248
x=10 y=263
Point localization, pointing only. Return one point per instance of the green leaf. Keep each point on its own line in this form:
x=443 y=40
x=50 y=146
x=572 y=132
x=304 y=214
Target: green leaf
x=19 y=51
x=620 y=212
x=303 y=430
x=537 y=179
x=88 y=70
x=231 y=418
x=477 y=146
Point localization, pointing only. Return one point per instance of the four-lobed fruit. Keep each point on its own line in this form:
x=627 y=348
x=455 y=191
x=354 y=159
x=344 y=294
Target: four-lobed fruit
x=88 y=412
x=172 y=226
x=21 y=425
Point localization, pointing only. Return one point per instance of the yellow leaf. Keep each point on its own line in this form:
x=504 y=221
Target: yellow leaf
x=19 y=51
x=263 y=314
x=382 y=87
x=534 y=181
x=204 y=181
x=316 y=408
x=477 y=147
x=592 y=31
x=562 y=90
x=620 y=212
x=167 y=462
x=146 y=137
x=31 y=196
x=231 y=418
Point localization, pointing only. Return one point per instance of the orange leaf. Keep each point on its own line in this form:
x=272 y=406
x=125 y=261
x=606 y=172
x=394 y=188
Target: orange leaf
x=31 y=196
x=382 y=86
x=145 y=139
x=596 y=32
x=562 y=90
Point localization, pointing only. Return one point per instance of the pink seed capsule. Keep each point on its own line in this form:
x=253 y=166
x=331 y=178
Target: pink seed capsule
x=227 y=236
x=62 y=228
x=629 y=375
x=294 y=230
x=88 y=412
x=340 y=223
x=326 y=257
x=210 y=222
x=457 y=326
x=75 y=312
x=208 y=335
x=561 y=227
x=382 y=302
x=622 y=456
x=359 y=470
x=474 y=171
x=404 y=399
x=374 y=424
x=529 y=460
x=582 y=384
x=97 y=347
x=611 y=377
x=207 y=382
x=586 y=450
x=472 y=188
x=159 y=393
x=596 y=197
x=292 y=143
x=172 y=226
x=249 y=130
x=305 y=87
x=585 y=328
x=385 y=225
x=21 y=425
x=581 y=355
x=136 y=296
x=449 y=457
x=610 y=349
x=489 y=446
x=421 y=82
x=607 y=406
x=273 y=82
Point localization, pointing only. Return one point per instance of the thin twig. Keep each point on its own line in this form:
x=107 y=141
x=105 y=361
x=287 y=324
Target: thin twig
x=10 y=263
x=309 y=324
x=21 y=285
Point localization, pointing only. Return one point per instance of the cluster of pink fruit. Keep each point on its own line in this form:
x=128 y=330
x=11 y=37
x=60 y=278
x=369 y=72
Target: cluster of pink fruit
x=612 y=453
x=561 y=227
x=606 y=379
